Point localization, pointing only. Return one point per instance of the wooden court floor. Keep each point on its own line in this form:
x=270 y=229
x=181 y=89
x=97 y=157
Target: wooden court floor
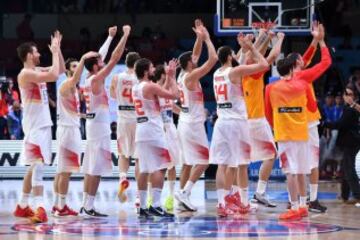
x=340 y=222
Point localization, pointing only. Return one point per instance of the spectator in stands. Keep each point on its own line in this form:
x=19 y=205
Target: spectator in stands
x=328 y=107
x=349 y=141
x=4 y=110
x=14 y=122
x=12 y=91
x=24 y=30
x=338 y=107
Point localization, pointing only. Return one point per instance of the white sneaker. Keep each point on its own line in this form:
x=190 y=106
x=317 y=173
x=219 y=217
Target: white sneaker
x=183 y=198
x=357 y=205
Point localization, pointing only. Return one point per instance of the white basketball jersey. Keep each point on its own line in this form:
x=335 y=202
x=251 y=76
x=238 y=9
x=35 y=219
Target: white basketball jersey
x=36 y=112
x=229 y=96
x=149 y=122
x=192 y=102
x=126 y=109
x=166 y=110
x=68 y=109
x=97 y=112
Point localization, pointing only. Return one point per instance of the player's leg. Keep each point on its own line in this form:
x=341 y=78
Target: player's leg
x=23 y=208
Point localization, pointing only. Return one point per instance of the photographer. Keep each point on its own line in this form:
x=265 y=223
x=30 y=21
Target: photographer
x=14 y=122
x=5 y=99
x=349 y=142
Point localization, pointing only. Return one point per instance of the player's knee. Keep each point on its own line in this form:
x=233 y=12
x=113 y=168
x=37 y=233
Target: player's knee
x=37 y=174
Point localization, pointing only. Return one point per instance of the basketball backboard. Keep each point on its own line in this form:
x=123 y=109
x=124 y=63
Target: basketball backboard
x=291 y=17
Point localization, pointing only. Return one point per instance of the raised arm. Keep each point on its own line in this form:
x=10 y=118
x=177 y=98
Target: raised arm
x=28 y=75
x=244 y=70
x=311 y=101
x=310 y=51
x=198 y=42
x=115 y=57
x=275 y=52
x=113 y=85
x=194 y=77
x=70 y=83
x=105 y=47
x=62 y=69
x=170 y=71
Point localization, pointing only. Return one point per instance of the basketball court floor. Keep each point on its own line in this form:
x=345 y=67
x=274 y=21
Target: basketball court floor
x=340 y=222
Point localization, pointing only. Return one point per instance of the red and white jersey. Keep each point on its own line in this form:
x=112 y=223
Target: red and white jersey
x=68 y=109
x=166 y=110
x=97 y=112
x=126 y=109
x=229 y=96
x=36 y=112
x=149 y=122
x=192 y=102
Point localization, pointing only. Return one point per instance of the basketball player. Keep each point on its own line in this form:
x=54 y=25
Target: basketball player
x=68 y=135
x=230 y=147
x=192 y=135
x=120 y=89
x=36 y=150
x=285 y=103
x=313 y=119
x=167 y=109
x=97 y=158
x=261 y=137
x=150 y=143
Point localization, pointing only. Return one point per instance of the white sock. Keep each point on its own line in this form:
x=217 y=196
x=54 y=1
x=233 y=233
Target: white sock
x=235 y=188
x=188 y=186
x=56 y=199
x=244 y=196
x=295 y=205
x=149 y=188
x=313 y=192
x=89 y=202
x=122 y=175
x=303 y=201
x=171 y=187
x=143 y=198
x=289 y=196
x=221 y=193
x=84 y=199
x=156 y=197
x=38 y=201
x=24 y=200
x=62 y=201
x=261 y=187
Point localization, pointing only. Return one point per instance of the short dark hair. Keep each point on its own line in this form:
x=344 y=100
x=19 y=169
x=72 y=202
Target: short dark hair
x=223 y=53
x=23 y=50
x=353 y=88
x=90 y=62
x=142 y=65
x=68 y=62
x=184 y=59
x=131 y=58
x=159 y=70
x=284 y=66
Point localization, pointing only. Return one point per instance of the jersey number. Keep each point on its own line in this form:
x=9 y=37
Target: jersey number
x=127 y=93
x=138 y=107
x=221 y=89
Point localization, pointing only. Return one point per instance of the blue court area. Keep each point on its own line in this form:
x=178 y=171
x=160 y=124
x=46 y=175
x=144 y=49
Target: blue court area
x=180 y=227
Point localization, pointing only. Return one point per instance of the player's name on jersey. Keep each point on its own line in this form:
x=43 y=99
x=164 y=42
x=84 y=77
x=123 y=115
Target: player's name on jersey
x=290 y=109
x=126 y=108
x=225 y=105
x=142 y=119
